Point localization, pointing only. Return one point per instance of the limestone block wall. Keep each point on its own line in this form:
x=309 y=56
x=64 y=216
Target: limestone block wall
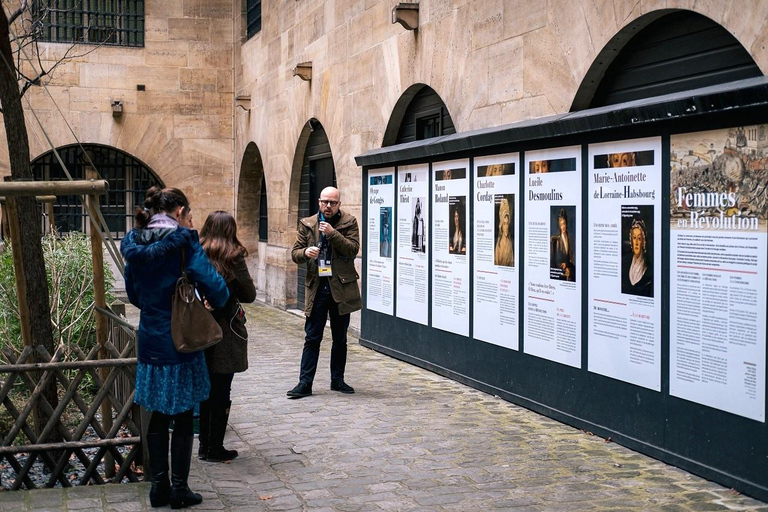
x=180 y=125
x=492 y=62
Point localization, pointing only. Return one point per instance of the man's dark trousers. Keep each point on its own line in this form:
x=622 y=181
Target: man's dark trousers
x=323 y=306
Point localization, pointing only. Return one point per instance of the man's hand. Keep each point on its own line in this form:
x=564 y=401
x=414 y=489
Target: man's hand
x=312 y=252
x=326 y=228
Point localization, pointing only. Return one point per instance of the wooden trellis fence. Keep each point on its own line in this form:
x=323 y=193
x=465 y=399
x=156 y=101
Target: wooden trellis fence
x=121 y=428
x=111 y=415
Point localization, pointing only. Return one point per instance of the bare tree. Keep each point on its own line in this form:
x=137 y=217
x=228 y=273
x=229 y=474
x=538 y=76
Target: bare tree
x=32 y=272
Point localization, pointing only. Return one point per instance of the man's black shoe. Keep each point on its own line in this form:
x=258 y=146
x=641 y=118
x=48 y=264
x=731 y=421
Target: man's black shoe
x=342 y=387
x=301 y=390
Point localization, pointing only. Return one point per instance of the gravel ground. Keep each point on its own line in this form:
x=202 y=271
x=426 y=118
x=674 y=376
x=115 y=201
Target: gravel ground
x=39 y=473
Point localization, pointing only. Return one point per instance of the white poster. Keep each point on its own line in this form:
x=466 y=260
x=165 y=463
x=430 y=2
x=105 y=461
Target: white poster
x=380 y=269
x=412 y=243
x=719 y=208
x=625 y=261
x=496 y=280
x=450 y=247
x=552 y=237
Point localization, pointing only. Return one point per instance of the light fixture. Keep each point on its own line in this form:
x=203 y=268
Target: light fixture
x=303 y=71
x=117 y=108
x=244 y=102
x=406 y=14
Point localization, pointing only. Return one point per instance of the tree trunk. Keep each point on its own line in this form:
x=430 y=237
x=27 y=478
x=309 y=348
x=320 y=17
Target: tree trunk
x=33 y=271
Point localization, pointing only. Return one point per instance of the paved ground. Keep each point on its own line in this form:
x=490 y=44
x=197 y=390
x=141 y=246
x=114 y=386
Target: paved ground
x=408 y=440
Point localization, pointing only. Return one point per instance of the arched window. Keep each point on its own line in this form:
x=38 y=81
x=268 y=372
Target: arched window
x=419 y=114
x=317 y=172
x=128 y=180
x=661 y=53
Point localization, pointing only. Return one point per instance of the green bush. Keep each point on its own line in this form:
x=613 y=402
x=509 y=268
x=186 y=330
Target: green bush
x=70 y=286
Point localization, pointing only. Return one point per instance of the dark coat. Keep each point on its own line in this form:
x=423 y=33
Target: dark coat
x=152 y=267
x=345 y=242
x=231 y=354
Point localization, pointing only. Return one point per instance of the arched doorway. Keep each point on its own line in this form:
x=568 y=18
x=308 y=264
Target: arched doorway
x=419 y=114
x=128 y=180
x=313 y=171
x=664 y=52
x=251 y=212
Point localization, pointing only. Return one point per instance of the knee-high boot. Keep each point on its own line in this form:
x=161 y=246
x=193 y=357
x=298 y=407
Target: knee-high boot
x=205 y=430
x=219 y=415
x=160 y=493
x=181 y=457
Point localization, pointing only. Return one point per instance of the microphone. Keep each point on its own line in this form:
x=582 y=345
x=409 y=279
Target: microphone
x=321 y=218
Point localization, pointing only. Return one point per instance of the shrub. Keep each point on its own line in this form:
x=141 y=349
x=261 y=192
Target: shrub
x=70 y=285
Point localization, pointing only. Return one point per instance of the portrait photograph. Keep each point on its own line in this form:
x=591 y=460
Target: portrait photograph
x=562 y=243
x=637 y=250
x=385 y=232
x=504 y=230
x=457 y=234
x=418 y=232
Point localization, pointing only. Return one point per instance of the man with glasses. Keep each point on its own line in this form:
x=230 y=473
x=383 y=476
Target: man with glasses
x=328 y=243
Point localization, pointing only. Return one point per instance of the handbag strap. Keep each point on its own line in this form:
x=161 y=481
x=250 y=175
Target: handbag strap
x=183 y=262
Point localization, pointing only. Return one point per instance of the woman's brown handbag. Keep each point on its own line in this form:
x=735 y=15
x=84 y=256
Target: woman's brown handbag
x=193 y=328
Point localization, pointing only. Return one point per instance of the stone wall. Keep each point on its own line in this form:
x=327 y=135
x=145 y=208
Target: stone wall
x=180 y=126
x=492 y=62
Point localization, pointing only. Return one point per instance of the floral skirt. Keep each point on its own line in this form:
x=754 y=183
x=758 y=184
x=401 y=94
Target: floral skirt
x=173 y=388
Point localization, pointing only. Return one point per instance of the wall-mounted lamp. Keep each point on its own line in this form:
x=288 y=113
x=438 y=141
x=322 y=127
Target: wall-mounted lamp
x=406 y=14
x=244 y=102
x=303 y=71
x=314 y=124
x=117 y=108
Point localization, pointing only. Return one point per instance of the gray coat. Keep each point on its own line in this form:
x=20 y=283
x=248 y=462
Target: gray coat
x=231 y=354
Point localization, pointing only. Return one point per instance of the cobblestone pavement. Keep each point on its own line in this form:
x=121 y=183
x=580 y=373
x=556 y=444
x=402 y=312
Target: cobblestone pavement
x=408 y=440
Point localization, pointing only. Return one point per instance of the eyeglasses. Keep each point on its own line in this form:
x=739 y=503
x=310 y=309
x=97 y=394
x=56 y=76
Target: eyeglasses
x=328 y=203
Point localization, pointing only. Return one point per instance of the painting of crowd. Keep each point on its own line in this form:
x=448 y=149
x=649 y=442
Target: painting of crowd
x=723 y=161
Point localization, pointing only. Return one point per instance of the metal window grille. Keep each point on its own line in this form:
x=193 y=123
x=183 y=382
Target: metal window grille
x=107 y=22
x=263 y=216
x=253 y=18
x=429 y=124
x=128 y=181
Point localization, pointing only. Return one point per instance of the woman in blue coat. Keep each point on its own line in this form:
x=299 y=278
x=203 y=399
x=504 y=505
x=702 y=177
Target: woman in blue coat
x=168 y=383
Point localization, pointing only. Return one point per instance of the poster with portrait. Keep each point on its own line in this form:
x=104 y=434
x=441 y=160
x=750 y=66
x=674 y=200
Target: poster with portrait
x=552 y=308
x=412 y=235
x=718 y=233
x=625 y=261
x=380 y=266
x=496 y=279
x=450 y=246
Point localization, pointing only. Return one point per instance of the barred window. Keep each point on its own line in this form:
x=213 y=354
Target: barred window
x=108 y=22
x=128 y=178
x=254 y=18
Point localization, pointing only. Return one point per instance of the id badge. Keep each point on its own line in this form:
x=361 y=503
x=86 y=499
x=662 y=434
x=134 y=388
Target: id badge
x=324 y=268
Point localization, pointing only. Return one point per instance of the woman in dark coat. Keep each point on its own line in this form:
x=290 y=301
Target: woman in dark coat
x=168 y=383
x=230 y=356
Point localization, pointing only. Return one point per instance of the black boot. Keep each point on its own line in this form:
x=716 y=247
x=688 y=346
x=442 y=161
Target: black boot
x=205 y=428
x=181 y=457
x=160 y=493
x=219 y=415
